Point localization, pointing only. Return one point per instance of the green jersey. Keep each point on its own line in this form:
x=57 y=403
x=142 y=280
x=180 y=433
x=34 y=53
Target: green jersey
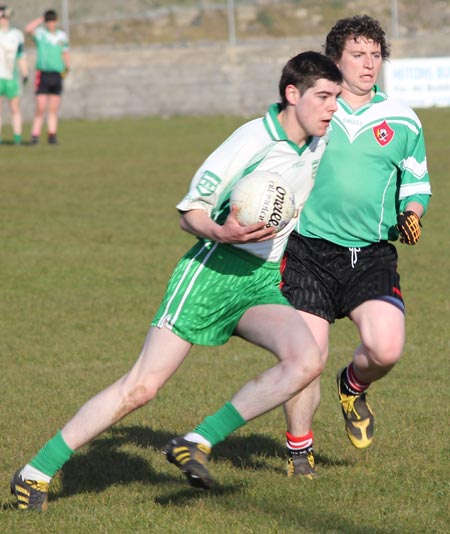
x=50 y=48
x=375 y=163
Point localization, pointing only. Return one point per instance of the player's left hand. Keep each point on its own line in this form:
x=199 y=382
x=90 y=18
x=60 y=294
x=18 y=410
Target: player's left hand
x=408 y=225
x=233 y=232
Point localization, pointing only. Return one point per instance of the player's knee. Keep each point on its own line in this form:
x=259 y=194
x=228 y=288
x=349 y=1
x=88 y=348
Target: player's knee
x=316 y=369
x=140 y=395
x=387 y=359
x=306 y=366
x=386 y=353
x=323 y=355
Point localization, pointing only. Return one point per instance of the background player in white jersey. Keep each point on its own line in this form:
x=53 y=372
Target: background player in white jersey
x=218 y=290
x=13 y=64
x=52 y=65
x=371 y=186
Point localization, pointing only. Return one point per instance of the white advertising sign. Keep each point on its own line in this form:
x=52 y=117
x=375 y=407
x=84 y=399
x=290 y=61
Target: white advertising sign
x=419 y=82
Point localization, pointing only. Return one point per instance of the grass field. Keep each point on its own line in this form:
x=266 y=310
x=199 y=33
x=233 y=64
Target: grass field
x=88 y=238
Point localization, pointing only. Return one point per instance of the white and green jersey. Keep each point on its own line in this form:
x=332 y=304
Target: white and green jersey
x=50 y=48
x=11 y=49
x=261 y=144
x=374 y=165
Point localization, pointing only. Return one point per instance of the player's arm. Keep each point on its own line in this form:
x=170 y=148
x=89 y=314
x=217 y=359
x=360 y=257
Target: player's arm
x=22 y=62
x=415 y=189
x=408 y=223
x=31 y=26
x=23 y=67
x=199 y=223
x=66 y=59
x=416 y=207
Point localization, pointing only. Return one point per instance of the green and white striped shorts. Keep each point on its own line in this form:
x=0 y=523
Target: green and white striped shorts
x=211 y=288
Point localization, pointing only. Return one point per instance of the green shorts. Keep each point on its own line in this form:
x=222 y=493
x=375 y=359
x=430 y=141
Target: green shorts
x=9 y=88
x=210 y=289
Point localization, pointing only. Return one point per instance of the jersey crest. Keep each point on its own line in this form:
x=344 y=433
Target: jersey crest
x=208 y=183
x=383 y=133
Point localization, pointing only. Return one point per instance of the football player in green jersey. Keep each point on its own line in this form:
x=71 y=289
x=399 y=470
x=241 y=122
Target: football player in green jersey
x=372 y=187
x=52 y=65
x=226 y=284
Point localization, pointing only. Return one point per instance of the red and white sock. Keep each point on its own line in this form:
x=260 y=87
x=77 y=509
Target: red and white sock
x=353 y=383
x=299 y=444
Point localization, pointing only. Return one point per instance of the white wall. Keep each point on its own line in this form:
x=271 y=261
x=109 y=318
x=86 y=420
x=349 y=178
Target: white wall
x=197 y=79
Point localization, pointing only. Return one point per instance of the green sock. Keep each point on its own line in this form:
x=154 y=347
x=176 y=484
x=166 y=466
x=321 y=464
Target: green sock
x=53 y=455
x=215 y=428
x=17 y=139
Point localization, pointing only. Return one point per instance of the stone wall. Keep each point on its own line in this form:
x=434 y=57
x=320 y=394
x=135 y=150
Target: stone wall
x=201 y=79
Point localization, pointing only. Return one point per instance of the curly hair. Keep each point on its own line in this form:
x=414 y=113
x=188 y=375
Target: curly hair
x=354 y=28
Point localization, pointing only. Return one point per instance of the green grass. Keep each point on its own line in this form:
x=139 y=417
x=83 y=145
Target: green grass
x=88 y=237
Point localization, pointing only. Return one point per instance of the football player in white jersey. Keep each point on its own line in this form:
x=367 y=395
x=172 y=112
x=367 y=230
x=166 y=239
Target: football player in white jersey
x=13 y=66
x=372 y=187
x=218 y=290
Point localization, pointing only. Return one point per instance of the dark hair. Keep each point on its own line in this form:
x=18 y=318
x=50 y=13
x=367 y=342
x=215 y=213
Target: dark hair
x=6 y=12
x=354 y=28
x=304 y=70
x=50 y=15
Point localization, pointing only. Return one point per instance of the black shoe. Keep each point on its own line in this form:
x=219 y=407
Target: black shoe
x=358 y=415
x=52 y=139
x=30 y=494
x=301 y=464
x=192 y=459
x=34 y=139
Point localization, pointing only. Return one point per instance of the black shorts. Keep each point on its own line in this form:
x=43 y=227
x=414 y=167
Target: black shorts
x=330 y=281
x=48 y=83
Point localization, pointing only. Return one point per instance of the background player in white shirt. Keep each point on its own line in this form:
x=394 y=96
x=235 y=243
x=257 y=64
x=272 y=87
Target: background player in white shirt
x=218 y=290
x=371 y=186
x=13 y=64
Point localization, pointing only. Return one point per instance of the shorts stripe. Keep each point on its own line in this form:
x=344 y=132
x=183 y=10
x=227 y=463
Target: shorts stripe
x=200 y=268
x=394 y=301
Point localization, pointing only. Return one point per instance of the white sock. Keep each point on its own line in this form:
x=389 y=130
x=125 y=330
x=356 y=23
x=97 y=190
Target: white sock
x=31 y=473
x=196 y=438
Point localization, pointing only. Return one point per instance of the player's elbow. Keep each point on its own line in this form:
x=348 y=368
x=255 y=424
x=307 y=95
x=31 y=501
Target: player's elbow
x=184 y=225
